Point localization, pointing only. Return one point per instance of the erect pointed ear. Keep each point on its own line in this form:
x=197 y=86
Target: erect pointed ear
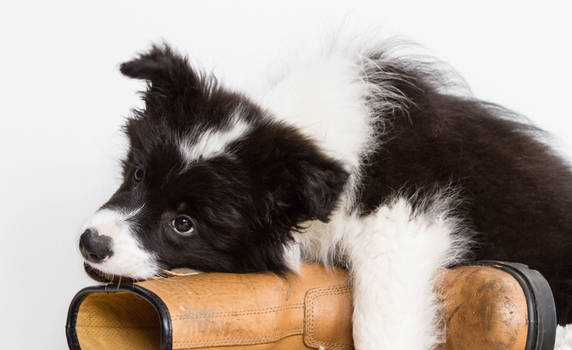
x=171 y=78
x=299 y=181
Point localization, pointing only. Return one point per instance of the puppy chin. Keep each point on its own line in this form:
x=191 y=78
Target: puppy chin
x=103 y=277
x=95 y=272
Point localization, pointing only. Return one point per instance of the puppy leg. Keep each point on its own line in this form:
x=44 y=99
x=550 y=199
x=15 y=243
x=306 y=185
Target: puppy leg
x=394 y=257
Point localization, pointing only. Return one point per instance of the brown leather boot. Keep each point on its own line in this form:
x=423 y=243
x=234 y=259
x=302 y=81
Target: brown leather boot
x=490 y=306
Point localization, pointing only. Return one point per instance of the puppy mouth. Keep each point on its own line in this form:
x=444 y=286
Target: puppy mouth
x=101 y=276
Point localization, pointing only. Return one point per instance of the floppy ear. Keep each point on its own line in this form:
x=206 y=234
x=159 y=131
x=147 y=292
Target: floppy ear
x=170 y=77
x=298 y=181
x=318 y=183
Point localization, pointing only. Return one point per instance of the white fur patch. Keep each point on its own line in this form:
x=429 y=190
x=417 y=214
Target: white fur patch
x=563 y=338
x=129 y=259
x=324 y=100
x=394 y=256
x=213 y=142
x=292 y=257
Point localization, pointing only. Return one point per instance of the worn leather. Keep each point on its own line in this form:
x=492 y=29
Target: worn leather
x=217 y=310
x=485 y=308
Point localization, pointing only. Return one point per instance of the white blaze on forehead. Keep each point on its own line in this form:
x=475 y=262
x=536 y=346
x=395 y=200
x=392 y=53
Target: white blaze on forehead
x=129 y=258
x=213 y=142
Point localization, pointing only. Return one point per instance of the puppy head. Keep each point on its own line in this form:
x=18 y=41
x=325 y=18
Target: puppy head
x=211 y=182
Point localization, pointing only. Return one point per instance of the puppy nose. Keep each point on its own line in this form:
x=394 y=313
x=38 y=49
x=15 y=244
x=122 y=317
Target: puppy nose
x=94 y=247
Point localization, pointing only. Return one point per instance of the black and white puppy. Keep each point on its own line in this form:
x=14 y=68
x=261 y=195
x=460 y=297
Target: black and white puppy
x=357 y=158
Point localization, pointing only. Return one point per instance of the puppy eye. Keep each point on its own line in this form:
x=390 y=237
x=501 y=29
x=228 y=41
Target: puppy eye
x=139 y=174
x=183 y=225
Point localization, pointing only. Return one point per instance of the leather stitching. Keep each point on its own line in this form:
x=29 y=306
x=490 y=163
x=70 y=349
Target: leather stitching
x=311 y=296
x=243 y=340
x=237 y=313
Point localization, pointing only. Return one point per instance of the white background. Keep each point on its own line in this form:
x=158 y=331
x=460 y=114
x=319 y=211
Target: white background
x=62 y=102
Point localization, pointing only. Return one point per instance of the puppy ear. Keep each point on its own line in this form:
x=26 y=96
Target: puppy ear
x=160 y=66
x=319 y=183
x=171 y=78
x=300 y=182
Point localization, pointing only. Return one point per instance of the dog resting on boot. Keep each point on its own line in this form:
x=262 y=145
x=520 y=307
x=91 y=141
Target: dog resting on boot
x=360 y=158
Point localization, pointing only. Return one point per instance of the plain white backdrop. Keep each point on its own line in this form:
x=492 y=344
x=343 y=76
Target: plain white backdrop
x=62 y=102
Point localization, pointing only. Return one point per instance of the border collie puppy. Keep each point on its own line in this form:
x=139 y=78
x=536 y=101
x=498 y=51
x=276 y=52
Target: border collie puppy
x=359 y=158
